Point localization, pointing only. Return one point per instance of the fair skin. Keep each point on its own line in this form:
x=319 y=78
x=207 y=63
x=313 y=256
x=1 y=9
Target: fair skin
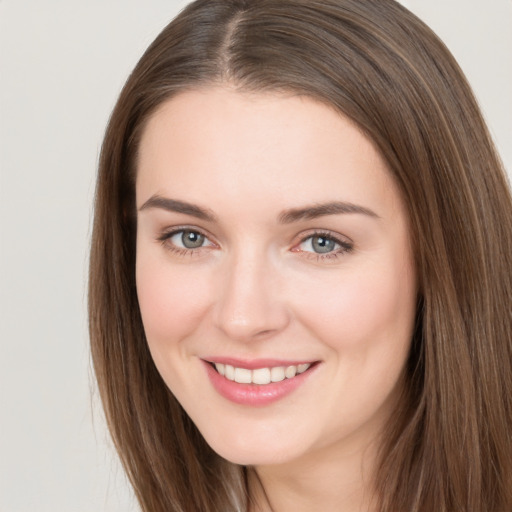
x=238 y=264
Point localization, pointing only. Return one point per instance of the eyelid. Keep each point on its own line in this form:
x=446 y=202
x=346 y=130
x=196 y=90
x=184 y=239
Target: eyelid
x=170 y=230
x=345 y=244
x=166 y=234
x=337 y=237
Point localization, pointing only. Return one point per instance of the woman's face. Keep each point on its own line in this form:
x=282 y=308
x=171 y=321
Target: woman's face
x=272 y=242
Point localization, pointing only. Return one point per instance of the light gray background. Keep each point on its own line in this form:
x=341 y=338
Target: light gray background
x=62 y=64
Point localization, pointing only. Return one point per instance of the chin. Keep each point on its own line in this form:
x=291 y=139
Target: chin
x=252 y=456
x=255 y=449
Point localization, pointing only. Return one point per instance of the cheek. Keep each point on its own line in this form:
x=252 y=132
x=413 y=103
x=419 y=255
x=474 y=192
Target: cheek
x=361 y=309
x=172 y=300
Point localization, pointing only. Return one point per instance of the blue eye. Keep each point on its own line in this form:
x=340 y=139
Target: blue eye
x=185 y=240
x=188 y=239
x=320 y=244
x=324 y=245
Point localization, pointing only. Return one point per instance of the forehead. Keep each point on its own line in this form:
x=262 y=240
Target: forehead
x=268 y=147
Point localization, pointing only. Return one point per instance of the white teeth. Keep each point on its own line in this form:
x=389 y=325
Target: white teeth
x=303 y=367
x=290 y=372
x=277 y=374
x=229 y=372
x=243 y=375
x=261 y=375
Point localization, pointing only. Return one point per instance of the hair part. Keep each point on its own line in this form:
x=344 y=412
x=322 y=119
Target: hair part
x=449 y=446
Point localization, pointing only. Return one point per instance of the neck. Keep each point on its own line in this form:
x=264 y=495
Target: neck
x=329 y=481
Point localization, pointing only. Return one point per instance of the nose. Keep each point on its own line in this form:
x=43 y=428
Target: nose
x=250 y=303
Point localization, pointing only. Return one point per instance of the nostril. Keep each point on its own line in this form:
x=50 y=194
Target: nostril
x=264 y=333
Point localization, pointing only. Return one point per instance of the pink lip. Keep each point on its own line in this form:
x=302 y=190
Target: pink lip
x=254 y=395
x=253 y=364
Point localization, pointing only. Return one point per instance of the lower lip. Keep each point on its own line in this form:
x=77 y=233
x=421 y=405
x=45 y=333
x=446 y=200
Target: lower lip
x=255 y=394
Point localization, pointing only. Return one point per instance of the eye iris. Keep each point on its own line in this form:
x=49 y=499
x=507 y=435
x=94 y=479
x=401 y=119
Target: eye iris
x=321 y=244
x=192 y=239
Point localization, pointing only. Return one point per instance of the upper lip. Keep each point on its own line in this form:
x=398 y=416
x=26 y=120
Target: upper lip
x=253 y=364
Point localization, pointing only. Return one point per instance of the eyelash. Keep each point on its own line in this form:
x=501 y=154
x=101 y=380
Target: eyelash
x=344 y=247
x=165 y=240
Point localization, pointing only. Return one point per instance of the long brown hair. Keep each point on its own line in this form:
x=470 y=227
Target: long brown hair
x=449 y=446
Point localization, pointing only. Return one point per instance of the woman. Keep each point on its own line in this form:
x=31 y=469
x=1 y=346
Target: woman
x=300 y=269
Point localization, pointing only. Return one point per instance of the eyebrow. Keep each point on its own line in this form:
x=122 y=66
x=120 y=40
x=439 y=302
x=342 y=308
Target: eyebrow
x=320 y=210
x=286 y=217
x=173 y=205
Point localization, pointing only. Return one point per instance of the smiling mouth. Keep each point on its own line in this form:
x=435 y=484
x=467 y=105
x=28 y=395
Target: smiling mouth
x=260 y=376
